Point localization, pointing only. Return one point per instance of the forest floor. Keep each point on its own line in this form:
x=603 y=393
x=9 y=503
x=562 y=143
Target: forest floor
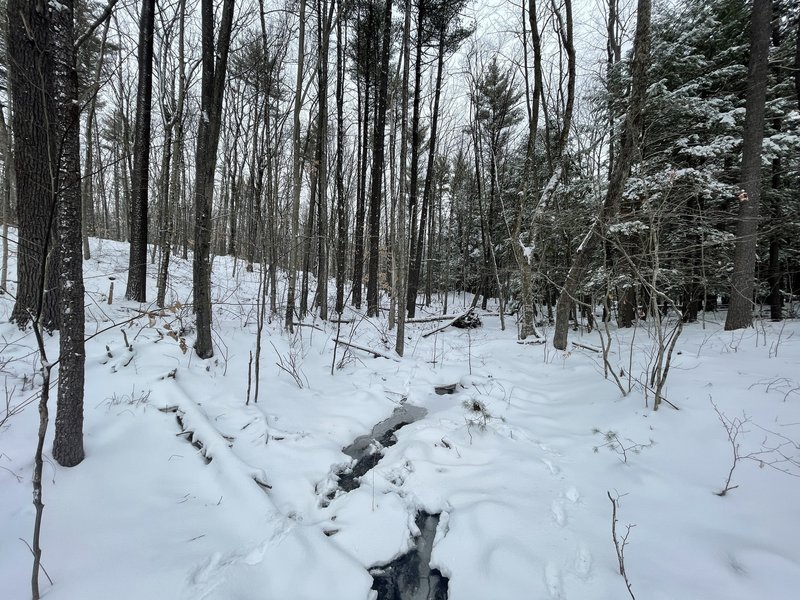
x=517 y=464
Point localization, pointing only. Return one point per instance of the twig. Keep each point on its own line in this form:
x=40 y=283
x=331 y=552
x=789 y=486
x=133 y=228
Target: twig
x=647 y=387
x=620 y=545
x=24 y=541
x=733 y=427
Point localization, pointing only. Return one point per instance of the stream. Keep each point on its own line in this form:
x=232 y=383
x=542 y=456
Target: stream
x=410 y=577
x=367 y=449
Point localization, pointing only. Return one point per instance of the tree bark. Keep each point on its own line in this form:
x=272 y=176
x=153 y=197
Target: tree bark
x=68 y=440
x=411 y=291
x=341 y=208
x=797 y=62
x=402 y=244
x=137 y=264
x=30 y=71
x=174 y=177
x=294 y=252
x=774 y=274
x=9 y=184
x=740 y=311
x=427 y=190
x=324 y=37
x=361 y=195
x=377 y=166
x=88 y=177
x=211 y=95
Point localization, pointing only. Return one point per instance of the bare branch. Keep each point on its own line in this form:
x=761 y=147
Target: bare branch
x=93 y=27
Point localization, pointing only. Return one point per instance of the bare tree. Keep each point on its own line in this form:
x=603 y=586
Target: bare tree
x=401 y=243
x=88 y=173
x=212 y=88
x=173 y=177
x=619 y=175
x=294 y=257
x=137 y=266
x=324 y=26
x=341 y=208
x=378 y=165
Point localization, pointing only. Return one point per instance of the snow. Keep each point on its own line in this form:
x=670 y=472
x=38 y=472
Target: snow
x=508 y=460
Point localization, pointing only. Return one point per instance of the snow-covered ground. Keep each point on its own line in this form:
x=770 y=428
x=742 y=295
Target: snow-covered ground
x=516 y=462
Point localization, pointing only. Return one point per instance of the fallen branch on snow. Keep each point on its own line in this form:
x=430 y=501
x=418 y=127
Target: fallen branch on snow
x=448 y=324
x=375 y=353
x=587 y=347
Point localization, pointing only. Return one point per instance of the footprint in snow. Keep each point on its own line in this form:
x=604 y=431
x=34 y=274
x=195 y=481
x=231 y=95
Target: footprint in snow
x=559 y=514
x=202 y=573
x=583 y=561
x=552 y=467
x=552 y=579
x=573 y=495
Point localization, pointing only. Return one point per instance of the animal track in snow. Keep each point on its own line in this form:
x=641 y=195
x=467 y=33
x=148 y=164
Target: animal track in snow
x=573 y=495
x=552 y=467
x=559 y=514
x=583 y=561
x=552 y=579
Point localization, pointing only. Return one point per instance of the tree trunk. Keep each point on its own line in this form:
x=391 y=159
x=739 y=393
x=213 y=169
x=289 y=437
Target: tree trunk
x=402 y=244
x=308 y=239
x=416 y=266
x=740 y=311
x=137 y=265
x=31 y=92
x=341 y=209
x=324 y=37
x=361 y=195
x=68 y=440
x=211 y=95
x=797 y=62
x=294 y=252
x=414 y=249
x=630 y=142
x=174 y=177
x=527 y=303
x=774 y=274
x=9 y=184
x=88 y=176
x=377 y=167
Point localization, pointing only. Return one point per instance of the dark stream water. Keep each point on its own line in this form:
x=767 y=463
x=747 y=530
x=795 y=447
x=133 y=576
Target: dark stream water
x=367 y=449
x=410 y=577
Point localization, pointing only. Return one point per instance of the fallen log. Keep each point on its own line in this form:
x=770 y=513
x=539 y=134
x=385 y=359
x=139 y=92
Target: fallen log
x=588 y=347
x=448 y=324
x=375 y=353
x=433 y=319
